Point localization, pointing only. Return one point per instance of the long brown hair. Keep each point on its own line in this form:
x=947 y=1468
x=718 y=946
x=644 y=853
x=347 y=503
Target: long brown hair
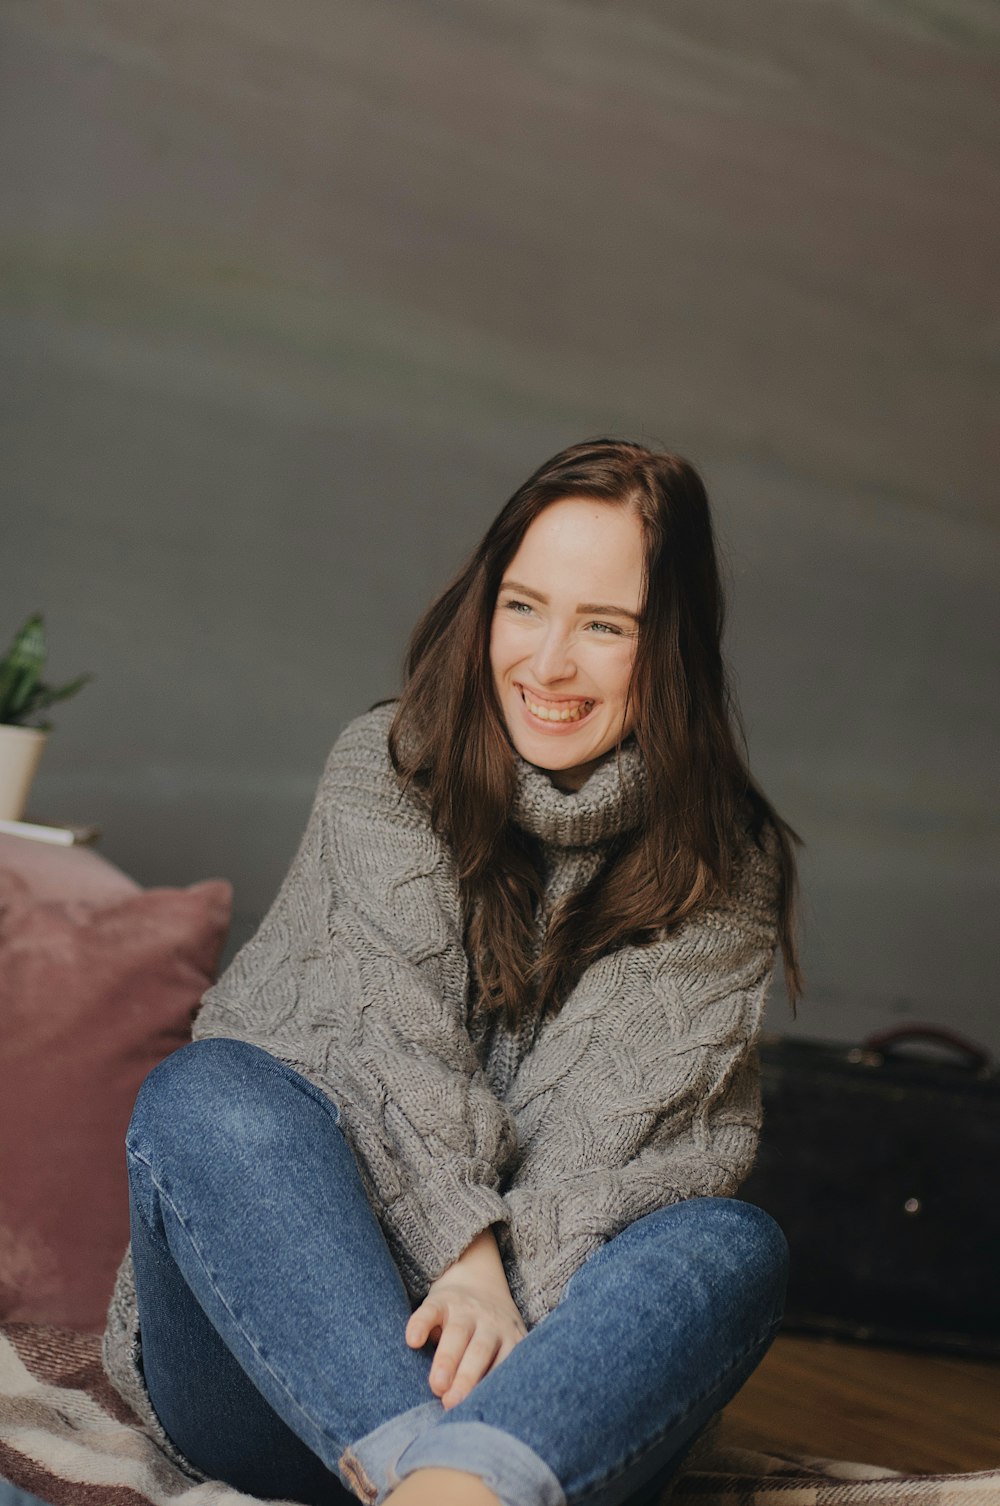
x=448 y=740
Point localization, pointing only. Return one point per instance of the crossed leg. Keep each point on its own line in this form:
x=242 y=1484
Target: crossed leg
x=272 y=1318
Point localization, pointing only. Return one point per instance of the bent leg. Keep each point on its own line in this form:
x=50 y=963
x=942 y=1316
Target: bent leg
x=205 y=1399
x=270 y=1306
x=654 y=1334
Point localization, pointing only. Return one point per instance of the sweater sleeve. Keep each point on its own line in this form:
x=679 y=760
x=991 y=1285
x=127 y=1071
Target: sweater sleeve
x=357 y=979
x=644 y=1090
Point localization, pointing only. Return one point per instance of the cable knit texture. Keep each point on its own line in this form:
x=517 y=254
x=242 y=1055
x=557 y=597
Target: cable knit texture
x=642 y=1090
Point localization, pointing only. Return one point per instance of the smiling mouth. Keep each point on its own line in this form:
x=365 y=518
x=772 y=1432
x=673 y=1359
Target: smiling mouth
x=569 y=710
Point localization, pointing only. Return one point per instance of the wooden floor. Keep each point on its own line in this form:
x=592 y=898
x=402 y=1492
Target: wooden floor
x=894 y=1407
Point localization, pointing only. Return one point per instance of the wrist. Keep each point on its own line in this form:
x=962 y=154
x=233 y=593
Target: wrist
x=479 y=1262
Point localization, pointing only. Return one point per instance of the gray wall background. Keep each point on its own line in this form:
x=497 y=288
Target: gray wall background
x=294 y=295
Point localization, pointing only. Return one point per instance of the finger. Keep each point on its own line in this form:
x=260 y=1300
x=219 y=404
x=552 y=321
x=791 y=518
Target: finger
x=422 y=1322
x=506 y=1347
x=477 y=1359
x=452 y=1345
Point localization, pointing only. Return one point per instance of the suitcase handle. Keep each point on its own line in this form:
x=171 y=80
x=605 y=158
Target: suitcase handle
x=885 y=1042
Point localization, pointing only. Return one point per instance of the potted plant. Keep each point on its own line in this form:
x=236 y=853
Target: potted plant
x=23 y=696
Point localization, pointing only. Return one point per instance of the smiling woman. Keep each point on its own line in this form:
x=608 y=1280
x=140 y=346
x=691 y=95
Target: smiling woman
x=563 y=641
x=596 y=582
x=437 y=1204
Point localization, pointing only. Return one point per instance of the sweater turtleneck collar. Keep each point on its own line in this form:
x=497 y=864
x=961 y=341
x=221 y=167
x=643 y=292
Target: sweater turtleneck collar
x=610 y=802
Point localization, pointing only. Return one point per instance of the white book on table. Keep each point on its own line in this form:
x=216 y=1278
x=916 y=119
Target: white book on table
x=65 y=836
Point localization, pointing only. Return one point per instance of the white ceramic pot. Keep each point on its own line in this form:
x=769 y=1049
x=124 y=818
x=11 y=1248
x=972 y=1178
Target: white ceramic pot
x=20 y=750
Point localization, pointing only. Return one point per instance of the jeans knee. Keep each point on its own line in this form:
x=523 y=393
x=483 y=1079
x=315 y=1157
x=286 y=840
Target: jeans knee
x=736 y=1248
x=199 y=1095
x=763 y=1249
x=748 y=1254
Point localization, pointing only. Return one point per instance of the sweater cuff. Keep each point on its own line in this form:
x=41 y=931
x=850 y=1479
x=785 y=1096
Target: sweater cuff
x=438 y=1219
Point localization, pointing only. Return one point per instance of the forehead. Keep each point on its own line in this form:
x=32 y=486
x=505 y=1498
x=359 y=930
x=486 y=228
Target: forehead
x=583 y=547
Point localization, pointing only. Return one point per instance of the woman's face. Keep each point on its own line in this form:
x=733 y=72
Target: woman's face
x=564 y=635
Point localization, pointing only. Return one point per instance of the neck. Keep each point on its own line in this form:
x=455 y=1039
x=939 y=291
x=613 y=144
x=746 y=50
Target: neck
x=571 y=779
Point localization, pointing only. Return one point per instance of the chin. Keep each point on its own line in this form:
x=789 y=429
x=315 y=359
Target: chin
x=557 y=763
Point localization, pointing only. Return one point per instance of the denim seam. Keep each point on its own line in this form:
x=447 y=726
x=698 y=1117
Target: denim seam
x=211 y=1278
x=651 y=1443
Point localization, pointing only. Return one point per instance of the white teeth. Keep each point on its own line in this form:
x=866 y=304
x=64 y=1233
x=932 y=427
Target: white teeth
x=557 y=713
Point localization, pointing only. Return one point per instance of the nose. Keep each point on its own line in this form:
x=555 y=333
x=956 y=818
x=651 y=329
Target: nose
x=552 y=659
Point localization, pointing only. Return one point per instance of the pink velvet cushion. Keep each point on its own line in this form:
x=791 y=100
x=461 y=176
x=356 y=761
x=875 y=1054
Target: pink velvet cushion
x=48 y=871
x=93 y=993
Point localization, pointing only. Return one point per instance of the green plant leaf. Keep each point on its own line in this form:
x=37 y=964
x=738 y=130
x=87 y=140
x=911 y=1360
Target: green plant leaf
x=21 y=668
x=23 y=693
x=28 y=648
x=20 y=690
x=47 y=695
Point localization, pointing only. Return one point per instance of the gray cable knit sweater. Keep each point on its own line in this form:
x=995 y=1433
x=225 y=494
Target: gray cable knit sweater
x=641 y=1091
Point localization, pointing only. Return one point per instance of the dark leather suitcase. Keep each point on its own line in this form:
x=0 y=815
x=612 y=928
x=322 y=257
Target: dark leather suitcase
x=881 y=1162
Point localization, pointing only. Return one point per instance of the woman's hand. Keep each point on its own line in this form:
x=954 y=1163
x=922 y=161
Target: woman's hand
x=473 y=1318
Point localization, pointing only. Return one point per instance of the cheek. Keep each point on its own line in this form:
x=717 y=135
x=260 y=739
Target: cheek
x=618 y=673
x=503 y=648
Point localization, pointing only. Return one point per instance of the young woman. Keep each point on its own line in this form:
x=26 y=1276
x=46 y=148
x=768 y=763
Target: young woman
x=437 y=1205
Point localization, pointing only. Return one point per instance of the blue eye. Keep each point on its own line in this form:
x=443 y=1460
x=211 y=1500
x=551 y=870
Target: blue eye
x=608 y=627
x=512 y=606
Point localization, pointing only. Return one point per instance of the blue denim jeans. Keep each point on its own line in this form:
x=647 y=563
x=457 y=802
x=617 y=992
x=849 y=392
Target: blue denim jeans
x=272 y=1315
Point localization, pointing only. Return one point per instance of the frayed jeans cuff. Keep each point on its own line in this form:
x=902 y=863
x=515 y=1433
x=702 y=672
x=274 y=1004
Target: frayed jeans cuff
x=511 y=1469
x=368 y=1466
x=378 y=1462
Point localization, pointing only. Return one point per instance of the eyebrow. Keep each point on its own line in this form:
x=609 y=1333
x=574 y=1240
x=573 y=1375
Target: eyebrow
x=602 y=610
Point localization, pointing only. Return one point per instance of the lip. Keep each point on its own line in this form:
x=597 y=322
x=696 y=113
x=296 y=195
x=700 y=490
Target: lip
x=549 y=700
x=552 y=729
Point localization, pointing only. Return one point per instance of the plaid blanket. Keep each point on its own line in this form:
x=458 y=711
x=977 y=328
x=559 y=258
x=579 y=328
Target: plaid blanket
x=66 y=1437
